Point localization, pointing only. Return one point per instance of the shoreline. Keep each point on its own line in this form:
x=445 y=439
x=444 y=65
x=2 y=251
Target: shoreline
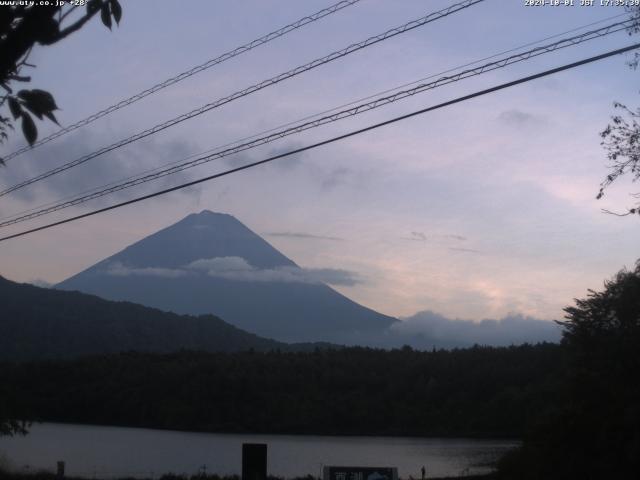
x=497 y=438
x=45 y=475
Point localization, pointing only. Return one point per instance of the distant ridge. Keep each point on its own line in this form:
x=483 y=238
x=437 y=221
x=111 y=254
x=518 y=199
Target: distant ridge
x=210 y=263
x=41 y=323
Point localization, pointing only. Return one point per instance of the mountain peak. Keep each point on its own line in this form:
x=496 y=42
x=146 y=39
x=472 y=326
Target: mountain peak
x=208 y=214
x=211 y=263
x=198 y=236
x=209 y=217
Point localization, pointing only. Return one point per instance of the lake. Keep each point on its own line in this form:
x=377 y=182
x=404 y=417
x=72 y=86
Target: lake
x=108 y=452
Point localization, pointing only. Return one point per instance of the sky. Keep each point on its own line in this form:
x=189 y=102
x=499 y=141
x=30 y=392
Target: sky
x=473 y=211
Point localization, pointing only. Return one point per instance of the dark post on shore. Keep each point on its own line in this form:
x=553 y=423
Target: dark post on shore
x=254 y=461
x=60 y=469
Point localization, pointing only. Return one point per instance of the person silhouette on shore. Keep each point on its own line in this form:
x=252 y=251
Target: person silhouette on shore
x=423 y=471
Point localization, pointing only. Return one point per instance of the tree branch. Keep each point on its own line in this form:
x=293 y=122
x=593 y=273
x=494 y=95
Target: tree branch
x=630 y=212
x=75 y=26
x=66 y=14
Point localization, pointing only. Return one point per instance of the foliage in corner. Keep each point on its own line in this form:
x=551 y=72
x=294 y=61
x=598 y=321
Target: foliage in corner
x=595 y=432
x=621 y=138
x=21 y=28
x=11 y=422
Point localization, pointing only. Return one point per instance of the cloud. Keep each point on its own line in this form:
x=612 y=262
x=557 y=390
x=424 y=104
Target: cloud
x=111 y=167
x=120 y=270
x=238 y=269
x=220 y=265
x=468 y=250
x=520 y=118
x=455 y=237
x=290 y=161
x=336 y=177
x=238 y=159
x=429 y=328
x=302 y=235
x=423 y=237
x=332 y=276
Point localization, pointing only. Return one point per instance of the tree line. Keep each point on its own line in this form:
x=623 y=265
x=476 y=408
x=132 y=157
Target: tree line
x=481 y=391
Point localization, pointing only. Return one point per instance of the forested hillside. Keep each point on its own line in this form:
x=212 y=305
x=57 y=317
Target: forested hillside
x=475 y=392
x=42 y=323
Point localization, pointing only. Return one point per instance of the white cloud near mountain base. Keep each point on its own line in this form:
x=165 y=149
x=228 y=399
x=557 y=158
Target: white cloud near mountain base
x=238 y=269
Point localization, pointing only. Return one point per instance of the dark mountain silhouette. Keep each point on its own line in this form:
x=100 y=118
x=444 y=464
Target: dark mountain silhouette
x=38 y=323
x=210 y=263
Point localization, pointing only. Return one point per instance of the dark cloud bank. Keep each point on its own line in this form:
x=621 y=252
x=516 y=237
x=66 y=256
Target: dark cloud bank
x=426 y=330
x=114 y=166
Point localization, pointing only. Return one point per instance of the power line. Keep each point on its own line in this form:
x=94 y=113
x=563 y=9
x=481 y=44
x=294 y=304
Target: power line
x=252 y=89
x=308 y=117
x=333 y=139
x=353 y=102
x=378 y=102
x=189 y=73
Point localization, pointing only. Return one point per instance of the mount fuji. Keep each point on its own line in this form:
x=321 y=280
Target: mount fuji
x=210 y=263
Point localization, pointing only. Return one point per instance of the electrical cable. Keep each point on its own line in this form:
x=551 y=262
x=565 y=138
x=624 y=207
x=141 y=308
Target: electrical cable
x=379 y=102
x=331 y=140
x=189 y=73
x=252 y=89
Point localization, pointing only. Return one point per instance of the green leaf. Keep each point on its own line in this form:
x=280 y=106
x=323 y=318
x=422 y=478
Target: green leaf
x=29 y=128
x=105 y=14
x=116 y=10
x=14 y=107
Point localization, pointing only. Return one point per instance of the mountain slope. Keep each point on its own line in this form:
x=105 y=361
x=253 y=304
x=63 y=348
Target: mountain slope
x=212 y=263
x=39 y=323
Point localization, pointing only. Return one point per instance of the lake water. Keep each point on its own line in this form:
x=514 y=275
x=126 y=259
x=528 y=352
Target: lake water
x=108 y=452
